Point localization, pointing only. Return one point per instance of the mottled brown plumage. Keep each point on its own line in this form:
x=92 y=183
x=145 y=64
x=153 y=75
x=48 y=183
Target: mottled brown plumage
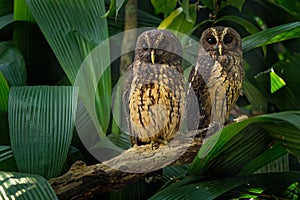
x=155 y=94
x=216 y=79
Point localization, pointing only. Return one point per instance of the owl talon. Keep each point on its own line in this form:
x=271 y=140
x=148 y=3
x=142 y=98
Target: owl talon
x=154 y=145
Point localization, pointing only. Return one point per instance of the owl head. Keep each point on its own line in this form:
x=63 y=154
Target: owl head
x=221 y=40
x=158 y=46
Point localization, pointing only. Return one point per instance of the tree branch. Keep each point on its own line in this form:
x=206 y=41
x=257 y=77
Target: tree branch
x=84 y=182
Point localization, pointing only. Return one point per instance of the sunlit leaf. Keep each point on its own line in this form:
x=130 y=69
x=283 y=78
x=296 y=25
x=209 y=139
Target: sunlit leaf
x=293 y=191
x=25 y=187
x=41 y=122
x=177 y=20
x=287 y=98
x=21 y=11
x=276 y=81
x=272 y=35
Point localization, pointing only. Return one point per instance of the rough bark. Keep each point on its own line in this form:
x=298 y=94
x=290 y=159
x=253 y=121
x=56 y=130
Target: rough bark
x=84 y=182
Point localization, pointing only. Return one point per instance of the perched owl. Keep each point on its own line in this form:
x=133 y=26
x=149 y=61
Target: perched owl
x=216 y=79
x=155 y=93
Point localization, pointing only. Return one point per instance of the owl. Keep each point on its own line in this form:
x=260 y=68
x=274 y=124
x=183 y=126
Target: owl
x=155 y=93
x=216 y=79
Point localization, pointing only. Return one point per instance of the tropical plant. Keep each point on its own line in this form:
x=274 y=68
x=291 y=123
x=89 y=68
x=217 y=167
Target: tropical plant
x=255 y=158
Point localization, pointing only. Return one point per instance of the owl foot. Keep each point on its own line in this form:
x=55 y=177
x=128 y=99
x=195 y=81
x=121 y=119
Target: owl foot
x=155 y=144
x=240 y=118
x=212 y=129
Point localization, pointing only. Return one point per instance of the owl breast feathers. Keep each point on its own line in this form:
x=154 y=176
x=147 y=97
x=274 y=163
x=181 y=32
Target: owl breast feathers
x=216 y=79
x=155 y=97
x=155 y=93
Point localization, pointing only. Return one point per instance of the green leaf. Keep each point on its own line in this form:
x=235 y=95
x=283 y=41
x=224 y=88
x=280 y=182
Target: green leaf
x=185 y=6
x=6 y=7
x=209 y=3
x=112 y=9
x=265 y=158
x=119 y=4
x=7 y=160
x=281 y=164
x=137 y=190
x=73 y=29
x=236 y=3
x=21 y=11
x=199 y=188
x=25 y=186
x=276 y=81
x=256 y=98
x=12 y=64
x=229 y=150
x=171 y=173
x=272 y=35
x=250 y=28
x=195 y=188
x=271 y=183
x=287 y=98
x=291 y=6
x=289 y=71
x=5 y=20
x=41 y=122
x=165 y=6
x=121 y=140
x=177 y=20
x=4 y=90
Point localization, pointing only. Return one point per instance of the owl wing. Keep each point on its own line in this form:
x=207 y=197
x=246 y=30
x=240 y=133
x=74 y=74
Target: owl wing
x=128 y=77
x=198 y=97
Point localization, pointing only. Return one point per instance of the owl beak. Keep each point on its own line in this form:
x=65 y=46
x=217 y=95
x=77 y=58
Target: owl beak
x=152 y=56
x=220 y=49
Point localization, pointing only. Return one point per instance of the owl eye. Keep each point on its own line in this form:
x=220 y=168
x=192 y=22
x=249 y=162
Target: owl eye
x=144 y=46
x=163 y=45
x=227 y=39
x=211 y=40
